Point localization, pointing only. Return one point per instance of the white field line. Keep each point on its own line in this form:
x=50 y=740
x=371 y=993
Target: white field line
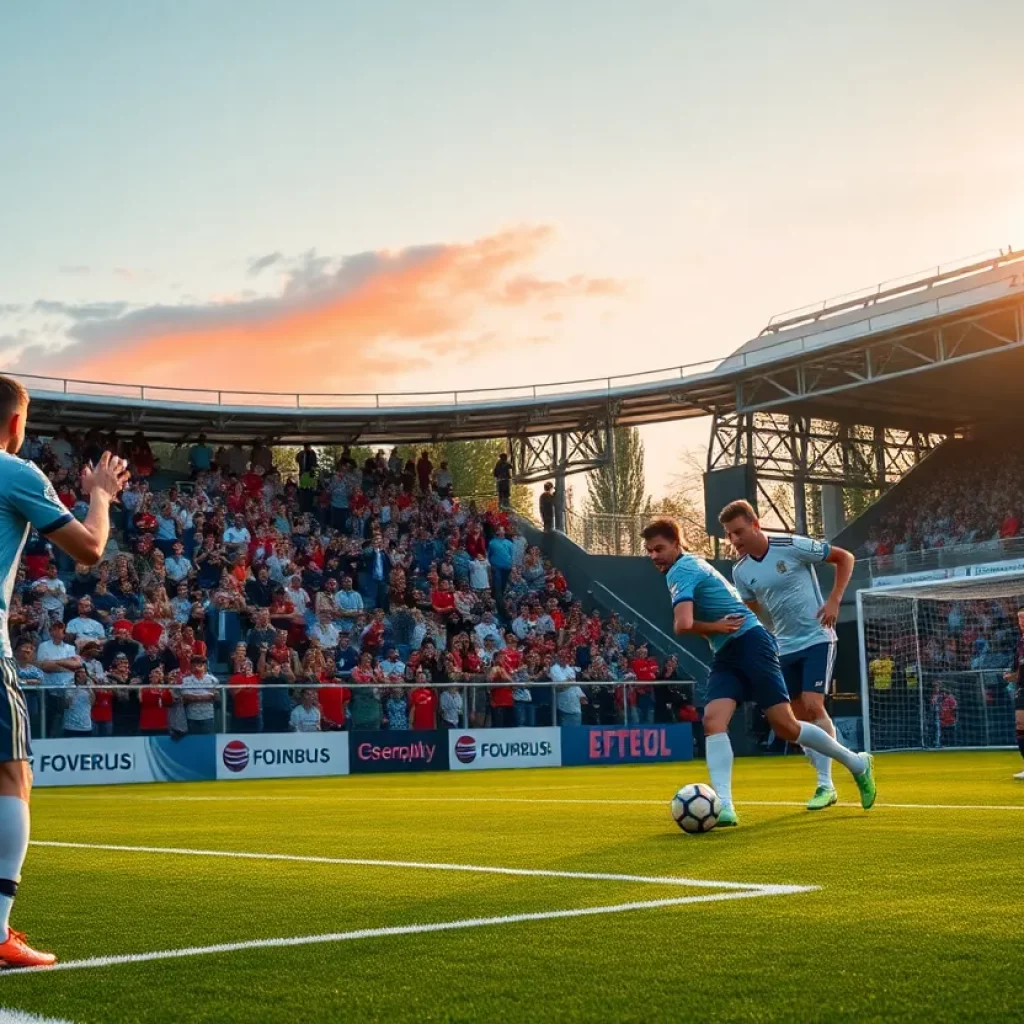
x=417 y=798
x=17 y=1017
x=477 y=869
x=411 y=929
x=735 y=891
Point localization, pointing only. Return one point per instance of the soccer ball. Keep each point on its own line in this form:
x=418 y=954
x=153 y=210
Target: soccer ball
x=696 y=808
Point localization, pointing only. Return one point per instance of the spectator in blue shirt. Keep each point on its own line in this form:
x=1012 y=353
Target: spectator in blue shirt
x=167 y=527
x=500 y=554
x=425 y=552
x=200 y=457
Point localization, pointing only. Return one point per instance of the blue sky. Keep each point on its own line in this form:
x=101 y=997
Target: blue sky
x=705 y=164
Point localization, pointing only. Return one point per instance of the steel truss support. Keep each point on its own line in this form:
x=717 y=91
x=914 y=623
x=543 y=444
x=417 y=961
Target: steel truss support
x=957 y=341
x=802 y=451
x=558 y=455
x=540 y=456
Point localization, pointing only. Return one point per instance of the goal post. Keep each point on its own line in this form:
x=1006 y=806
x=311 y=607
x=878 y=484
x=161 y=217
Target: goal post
x=934 y=662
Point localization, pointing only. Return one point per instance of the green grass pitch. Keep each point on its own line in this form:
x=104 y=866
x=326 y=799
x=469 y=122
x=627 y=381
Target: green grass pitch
x=903 y=913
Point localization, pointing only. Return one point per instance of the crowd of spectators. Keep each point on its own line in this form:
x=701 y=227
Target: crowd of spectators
x=949 y=664
x=359 y=596
x=978 y=496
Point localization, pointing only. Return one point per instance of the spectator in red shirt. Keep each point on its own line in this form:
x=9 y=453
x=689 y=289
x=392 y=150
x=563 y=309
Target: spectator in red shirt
x=154 y=700
x=475 y=543
x=358 y=503
x=423 y=704
x=644 y=666
x=245 y=698
x=442 y=599
x=945 y=707
x=186 y=646
x=235 y=500
x=103 y=705
x=373 y=635
x=502 y=700
x=333 y=703
x=147 y=631
x=555 y=614
x=1010 y=526
x=513 y=656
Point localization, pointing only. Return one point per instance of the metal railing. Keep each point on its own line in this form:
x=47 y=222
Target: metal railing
x=893 y=288
x=813 y=339
x=1000 y=550
x=602 y=533
x=621 y=703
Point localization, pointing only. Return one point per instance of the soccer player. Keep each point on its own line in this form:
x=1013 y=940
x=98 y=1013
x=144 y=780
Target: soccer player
x=745 y=666
x=28 y=499
x=776 y=574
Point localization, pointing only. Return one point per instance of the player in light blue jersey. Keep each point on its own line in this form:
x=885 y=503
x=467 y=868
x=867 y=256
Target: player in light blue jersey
x=27 y=501
x=776 y=574
x=745 y=665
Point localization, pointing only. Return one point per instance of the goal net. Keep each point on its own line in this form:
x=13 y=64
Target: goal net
x=934 y=661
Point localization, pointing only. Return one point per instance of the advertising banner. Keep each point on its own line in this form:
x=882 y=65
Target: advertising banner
x=504 y=748
x=994 y=568
x=1015 y=565
x=281 y=755
x=398 y=751
x=115 y=760
x=924 y=576
x=646 y=744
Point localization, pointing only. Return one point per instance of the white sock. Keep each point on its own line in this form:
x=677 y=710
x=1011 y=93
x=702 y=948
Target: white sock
x=822 y=764
x=814 y=738
x=718 y=754
x=13 y=847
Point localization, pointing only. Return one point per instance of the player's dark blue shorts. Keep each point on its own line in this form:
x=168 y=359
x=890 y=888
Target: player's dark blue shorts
x=809 y=670
x=14 y=729
x=747 y=668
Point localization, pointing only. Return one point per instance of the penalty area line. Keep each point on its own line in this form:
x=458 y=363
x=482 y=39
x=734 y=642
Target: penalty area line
x=413 y=929
x=479 y=869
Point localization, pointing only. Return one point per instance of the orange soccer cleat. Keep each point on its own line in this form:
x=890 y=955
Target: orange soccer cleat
x=16 y=952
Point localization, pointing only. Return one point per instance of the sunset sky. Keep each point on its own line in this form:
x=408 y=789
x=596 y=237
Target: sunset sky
x=331 y=196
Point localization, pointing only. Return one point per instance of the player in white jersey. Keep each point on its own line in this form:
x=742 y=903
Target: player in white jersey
x=745 y=666
x=776 y=574
x=28 y=500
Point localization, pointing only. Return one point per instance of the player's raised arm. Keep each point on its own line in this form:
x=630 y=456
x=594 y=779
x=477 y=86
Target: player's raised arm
x=86 y=541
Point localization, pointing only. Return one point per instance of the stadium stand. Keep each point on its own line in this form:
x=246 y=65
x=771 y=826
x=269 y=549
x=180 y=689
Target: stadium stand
x=966 y=492
x=371 y=582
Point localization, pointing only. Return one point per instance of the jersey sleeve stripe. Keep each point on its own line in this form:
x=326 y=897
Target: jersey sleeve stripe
x=682 y=600
x=57 y=524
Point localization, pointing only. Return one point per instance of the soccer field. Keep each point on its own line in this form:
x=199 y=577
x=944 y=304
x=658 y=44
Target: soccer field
x=341 y=899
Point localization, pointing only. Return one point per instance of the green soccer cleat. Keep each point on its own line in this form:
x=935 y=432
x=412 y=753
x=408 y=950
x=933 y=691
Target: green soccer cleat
x=727 y=819
x=824 y=796
x=866 y=783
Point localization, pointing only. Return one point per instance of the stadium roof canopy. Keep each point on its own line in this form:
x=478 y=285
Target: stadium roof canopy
x=940 y=351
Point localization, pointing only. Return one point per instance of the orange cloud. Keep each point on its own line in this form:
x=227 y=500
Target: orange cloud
x=337 y=326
